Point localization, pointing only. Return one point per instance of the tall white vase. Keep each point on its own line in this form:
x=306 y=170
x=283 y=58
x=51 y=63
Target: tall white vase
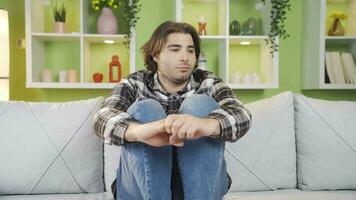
x=107 y=23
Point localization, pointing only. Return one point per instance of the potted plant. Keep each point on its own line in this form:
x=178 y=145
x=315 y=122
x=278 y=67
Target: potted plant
x=107 y=23
x=278 y=11
x=59 y=16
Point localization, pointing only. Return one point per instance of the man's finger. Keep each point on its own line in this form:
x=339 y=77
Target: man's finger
x=168 y=123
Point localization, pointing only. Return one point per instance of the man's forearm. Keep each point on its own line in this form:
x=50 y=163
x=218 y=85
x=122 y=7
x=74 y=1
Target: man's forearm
x=214 y=125
x=145 y=130
x=130 y=135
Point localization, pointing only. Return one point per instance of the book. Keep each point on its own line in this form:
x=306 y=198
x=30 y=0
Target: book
x=349 y=64
x=337 y=68
x=328 y=67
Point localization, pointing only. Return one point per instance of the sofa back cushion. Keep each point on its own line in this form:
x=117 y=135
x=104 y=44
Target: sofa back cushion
x=326 y=143
x=265 y=158
x=49 y=148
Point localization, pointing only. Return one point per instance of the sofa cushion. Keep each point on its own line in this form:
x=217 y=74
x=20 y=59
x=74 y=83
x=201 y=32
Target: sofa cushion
x=111 y=163
x=265 y=158
x=49 y=148
x=96 y=196
x=326 y=143
x=292 y=194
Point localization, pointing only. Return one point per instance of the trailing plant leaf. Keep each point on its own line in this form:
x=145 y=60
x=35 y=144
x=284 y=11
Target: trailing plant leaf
x=59 y=12
x=131 y=10
x=278 y=16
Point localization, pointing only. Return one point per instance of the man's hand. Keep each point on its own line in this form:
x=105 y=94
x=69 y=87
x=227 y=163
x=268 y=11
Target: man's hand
x=153 y=134
x=183 y=126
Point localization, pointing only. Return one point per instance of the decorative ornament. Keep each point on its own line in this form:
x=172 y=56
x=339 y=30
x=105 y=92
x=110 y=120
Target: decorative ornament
x=115 y=70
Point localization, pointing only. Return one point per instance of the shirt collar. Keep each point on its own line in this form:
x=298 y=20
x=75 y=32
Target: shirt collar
x=191 y=85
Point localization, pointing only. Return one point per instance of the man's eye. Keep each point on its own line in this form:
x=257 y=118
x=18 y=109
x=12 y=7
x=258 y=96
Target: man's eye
x=191 y=51
x=175 y=49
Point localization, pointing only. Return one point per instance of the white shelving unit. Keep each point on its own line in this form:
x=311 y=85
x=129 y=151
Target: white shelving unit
x=75 y=47
x=316 y=41
x=228 y=53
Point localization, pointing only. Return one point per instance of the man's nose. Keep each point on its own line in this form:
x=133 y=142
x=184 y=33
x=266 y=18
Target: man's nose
x=183 y=56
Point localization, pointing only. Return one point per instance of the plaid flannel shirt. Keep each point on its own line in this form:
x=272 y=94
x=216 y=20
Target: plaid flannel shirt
x=112 y=121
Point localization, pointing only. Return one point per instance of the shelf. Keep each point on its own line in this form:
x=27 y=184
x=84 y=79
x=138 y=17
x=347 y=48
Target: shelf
x=41 y=13
x=213 y=37
x=259 y=37
x=242 y=10
x=349 y=8
x=56 y=36
x=253 y=61
x=252 y=86
x=71 y=85
x=190 y=11
x=316 y=42
x=98 y=55
x=80 y=48
x=224 y=53
x=338 y=86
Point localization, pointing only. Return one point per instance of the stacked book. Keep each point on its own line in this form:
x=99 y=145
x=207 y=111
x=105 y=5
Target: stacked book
x=340 y=68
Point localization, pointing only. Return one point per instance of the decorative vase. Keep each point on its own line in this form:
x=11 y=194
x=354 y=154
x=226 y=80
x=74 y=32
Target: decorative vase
x=249 y=27
x=107 y=23
x=235 y=28
x=59 y=27
x=336 y=28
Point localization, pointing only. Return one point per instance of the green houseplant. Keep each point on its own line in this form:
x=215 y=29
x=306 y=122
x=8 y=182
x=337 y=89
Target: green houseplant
x=131 y=8
x=279 y=9
x=59 y=16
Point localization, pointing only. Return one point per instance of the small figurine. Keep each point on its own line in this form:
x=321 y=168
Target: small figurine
x=115 y=70
x=202 y=26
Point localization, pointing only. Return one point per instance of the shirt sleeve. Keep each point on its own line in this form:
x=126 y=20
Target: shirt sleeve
x=112 y=121
x=234 y=118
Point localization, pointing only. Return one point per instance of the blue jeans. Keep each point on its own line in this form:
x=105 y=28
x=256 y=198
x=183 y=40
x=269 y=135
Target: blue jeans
x=144 y=172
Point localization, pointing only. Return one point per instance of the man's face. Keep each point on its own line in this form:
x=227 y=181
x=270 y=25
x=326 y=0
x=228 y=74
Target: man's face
x=177 y=59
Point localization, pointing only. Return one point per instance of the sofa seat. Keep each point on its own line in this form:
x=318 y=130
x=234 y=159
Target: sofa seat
x=96 y=196
x=293 y=194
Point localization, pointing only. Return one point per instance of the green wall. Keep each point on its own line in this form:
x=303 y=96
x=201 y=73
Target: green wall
x=152 y=14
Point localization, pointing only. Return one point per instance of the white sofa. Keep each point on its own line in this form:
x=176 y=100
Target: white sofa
x=297 y=148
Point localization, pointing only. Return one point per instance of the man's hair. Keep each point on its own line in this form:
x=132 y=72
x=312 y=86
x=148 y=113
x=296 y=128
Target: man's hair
x=159 y=37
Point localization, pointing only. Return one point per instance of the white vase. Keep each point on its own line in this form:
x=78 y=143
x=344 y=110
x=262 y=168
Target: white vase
x=107 y=23
x=59 y=27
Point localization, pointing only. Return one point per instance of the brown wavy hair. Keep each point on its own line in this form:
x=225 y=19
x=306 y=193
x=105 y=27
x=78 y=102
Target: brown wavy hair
x=158 y=39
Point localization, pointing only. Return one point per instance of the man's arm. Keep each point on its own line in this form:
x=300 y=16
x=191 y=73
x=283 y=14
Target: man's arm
x=112 y=121
x=229 y=122
x=234 y=118
x=115 y=126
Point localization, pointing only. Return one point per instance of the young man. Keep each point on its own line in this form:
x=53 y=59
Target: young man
x=172 y=121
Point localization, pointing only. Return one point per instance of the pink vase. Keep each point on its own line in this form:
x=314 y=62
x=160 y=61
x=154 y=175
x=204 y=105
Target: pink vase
x=59 y=27
x=107 y=23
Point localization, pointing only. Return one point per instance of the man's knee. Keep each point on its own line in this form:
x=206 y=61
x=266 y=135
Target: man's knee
x=146 y=111
x=199 y=105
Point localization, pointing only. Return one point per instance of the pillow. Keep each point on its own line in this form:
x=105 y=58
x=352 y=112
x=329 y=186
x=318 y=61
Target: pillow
x=326 y=143
x=49 y=148
x=265 y=158
x=111 y=163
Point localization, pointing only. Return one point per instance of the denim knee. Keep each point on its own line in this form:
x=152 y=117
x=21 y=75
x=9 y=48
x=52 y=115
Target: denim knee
x=199 y=105
x=146 y=111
